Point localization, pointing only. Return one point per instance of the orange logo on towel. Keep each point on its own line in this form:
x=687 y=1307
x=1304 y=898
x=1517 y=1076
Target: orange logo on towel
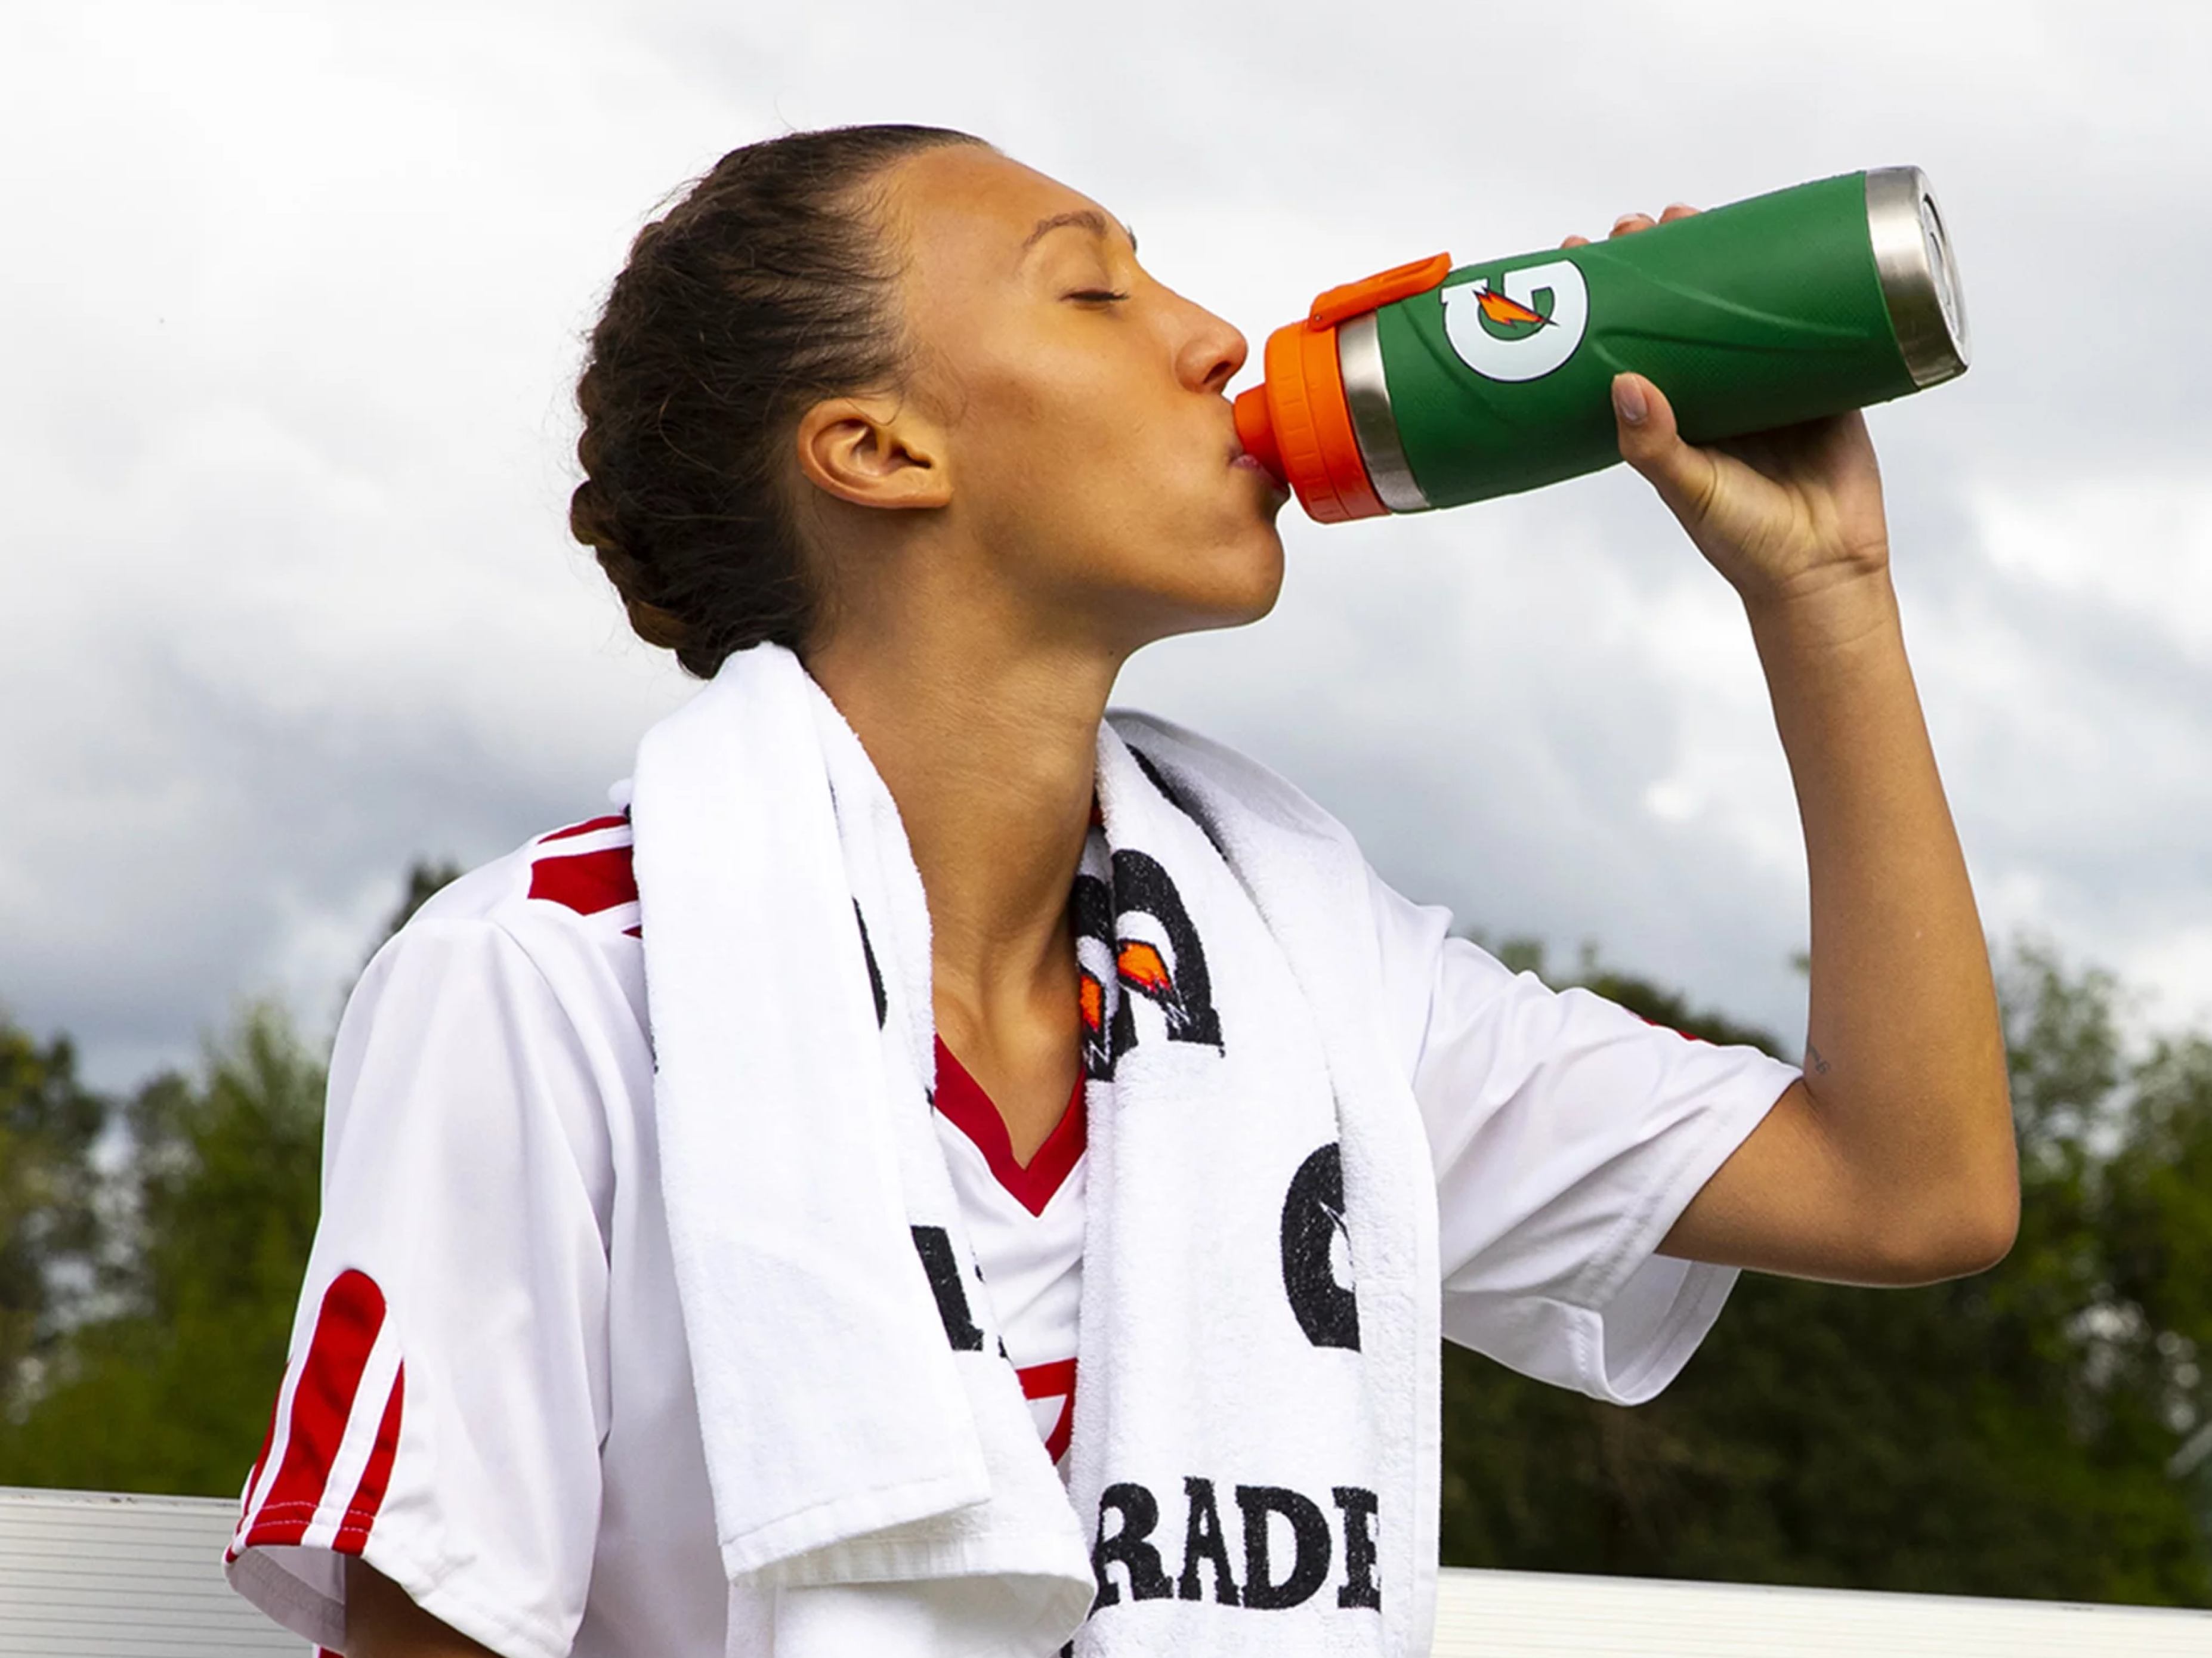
x=1141 y=968
x=1182 y=993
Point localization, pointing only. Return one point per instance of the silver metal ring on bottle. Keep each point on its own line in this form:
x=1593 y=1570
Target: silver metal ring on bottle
x=1912 y=256
x=1367 y=397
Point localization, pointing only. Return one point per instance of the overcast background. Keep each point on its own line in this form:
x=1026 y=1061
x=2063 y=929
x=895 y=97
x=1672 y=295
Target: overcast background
x=291 y=308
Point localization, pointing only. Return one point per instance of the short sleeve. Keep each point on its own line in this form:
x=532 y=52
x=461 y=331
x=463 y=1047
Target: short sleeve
x=1568 y=1135
x=446 y=1396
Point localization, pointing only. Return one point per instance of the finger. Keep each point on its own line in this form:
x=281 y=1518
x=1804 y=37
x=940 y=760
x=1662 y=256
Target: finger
x=1678 y=210
x=1576 y=242
x=1628 y=223
x=1650 y=443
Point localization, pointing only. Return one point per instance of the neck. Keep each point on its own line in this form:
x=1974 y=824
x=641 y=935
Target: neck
x=987 y=740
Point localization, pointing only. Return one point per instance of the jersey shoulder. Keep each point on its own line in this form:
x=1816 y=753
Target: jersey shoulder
x=535 y=951
x=567 y=901
x=577 y=879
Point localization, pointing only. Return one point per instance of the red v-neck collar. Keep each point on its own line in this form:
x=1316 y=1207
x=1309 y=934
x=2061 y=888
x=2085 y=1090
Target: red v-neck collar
x=968 y=1108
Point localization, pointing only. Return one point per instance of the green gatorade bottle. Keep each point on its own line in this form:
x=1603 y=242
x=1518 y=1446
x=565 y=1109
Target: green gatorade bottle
x=1430 y=386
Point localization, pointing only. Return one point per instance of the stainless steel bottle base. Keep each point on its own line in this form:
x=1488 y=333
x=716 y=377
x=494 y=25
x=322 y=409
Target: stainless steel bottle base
x=1367 y=397
x=1912 y=254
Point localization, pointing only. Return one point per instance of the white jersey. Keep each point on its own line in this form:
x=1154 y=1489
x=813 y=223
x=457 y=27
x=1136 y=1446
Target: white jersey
x=1025 y=1224
x=490 y=1395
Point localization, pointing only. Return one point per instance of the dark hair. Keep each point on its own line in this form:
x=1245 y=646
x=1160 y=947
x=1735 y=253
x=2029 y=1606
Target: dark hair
x=765 y=289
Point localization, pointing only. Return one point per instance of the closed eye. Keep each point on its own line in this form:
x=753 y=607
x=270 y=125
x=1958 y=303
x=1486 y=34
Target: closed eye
x=1097 y=295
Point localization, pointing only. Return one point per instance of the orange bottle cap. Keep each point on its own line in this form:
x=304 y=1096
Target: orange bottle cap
x=1298 y=424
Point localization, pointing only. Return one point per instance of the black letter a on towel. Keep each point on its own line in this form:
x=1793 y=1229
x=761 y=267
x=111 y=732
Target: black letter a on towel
x=934 y=1246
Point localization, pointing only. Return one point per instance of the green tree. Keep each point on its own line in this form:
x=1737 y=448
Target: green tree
x=2008 y=1434
x=49 y=1218
x=171 y=1393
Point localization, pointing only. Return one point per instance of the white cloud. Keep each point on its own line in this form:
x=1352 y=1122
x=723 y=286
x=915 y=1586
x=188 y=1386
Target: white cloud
x=2079 y=675
x=2177 y=971
x=2140 y=548
x=295 y=300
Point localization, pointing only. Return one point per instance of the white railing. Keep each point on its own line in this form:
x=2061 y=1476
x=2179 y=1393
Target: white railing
x=89 y=1574
x=1526 y=1614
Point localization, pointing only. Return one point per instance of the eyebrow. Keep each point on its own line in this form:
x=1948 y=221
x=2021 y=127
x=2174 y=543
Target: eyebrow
x=1082 y=219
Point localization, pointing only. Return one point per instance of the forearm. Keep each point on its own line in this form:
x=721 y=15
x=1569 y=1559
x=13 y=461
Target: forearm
x=1905 y=1061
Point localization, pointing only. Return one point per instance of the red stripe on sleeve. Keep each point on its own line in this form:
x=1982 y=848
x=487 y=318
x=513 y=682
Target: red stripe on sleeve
x=345 y=1329
x=369 y=1496
x=585 y=881
x=253 y=1479
x=586 y=828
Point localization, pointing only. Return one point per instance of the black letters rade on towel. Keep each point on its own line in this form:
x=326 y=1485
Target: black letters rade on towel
x=1286 y=1542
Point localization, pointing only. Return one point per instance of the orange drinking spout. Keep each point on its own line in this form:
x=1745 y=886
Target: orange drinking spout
x=1255 y=430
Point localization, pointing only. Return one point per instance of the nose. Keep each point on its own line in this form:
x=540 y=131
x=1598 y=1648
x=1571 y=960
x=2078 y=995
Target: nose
x=1211 y=353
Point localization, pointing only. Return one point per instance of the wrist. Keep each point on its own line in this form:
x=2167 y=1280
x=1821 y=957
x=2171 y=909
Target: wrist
x=1824 y=612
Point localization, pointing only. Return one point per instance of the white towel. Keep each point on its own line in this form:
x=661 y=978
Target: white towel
x=1253 y=1469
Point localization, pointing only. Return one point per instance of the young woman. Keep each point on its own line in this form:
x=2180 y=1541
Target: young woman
x=641 y=1320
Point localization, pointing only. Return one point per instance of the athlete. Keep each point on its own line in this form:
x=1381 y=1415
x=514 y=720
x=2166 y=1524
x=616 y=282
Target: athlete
x=890 y=400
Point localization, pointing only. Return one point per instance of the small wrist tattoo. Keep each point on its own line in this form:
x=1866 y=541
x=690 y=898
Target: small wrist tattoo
x=1813 y=1058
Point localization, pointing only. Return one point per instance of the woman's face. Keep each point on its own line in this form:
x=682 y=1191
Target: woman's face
x=1092 y=456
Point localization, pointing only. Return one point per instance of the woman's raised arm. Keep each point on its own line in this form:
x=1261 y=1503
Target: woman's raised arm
x=1894 y=1160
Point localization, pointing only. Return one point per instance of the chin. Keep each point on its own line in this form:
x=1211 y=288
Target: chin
x=1257 y=604
x=1245 y=590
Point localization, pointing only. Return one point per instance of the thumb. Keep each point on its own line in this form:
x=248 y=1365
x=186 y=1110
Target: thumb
x=1682 y=474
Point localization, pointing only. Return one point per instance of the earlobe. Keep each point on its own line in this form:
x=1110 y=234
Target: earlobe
x=872 y=452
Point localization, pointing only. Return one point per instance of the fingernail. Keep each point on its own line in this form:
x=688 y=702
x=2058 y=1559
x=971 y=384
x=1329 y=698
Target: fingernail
x=1628 y=398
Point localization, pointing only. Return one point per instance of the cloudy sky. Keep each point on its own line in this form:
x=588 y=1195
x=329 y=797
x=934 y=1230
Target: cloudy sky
x=291 y=310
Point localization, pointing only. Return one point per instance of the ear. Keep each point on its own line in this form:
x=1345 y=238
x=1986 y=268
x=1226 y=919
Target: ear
x=874 y=452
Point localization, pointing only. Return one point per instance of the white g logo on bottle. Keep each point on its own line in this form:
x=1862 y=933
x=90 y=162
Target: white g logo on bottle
x=1524 y=326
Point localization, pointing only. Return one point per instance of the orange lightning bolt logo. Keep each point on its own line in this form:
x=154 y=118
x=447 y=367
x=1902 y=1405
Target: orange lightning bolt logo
x=1499 y=309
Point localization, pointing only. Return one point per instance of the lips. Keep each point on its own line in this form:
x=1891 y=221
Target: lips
x=1242 y=460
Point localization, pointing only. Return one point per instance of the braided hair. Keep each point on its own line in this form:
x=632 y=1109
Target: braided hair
x=765 y=289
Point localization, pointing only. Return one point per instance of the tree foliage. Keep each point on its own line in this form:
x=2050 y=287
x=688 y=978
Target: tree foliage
x=49 y=1220
x=216 y=1207
x=2007 y=1433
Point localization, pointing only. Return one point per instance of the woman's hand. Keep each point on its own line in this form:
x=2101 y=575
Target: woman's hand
x=1785 y=514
